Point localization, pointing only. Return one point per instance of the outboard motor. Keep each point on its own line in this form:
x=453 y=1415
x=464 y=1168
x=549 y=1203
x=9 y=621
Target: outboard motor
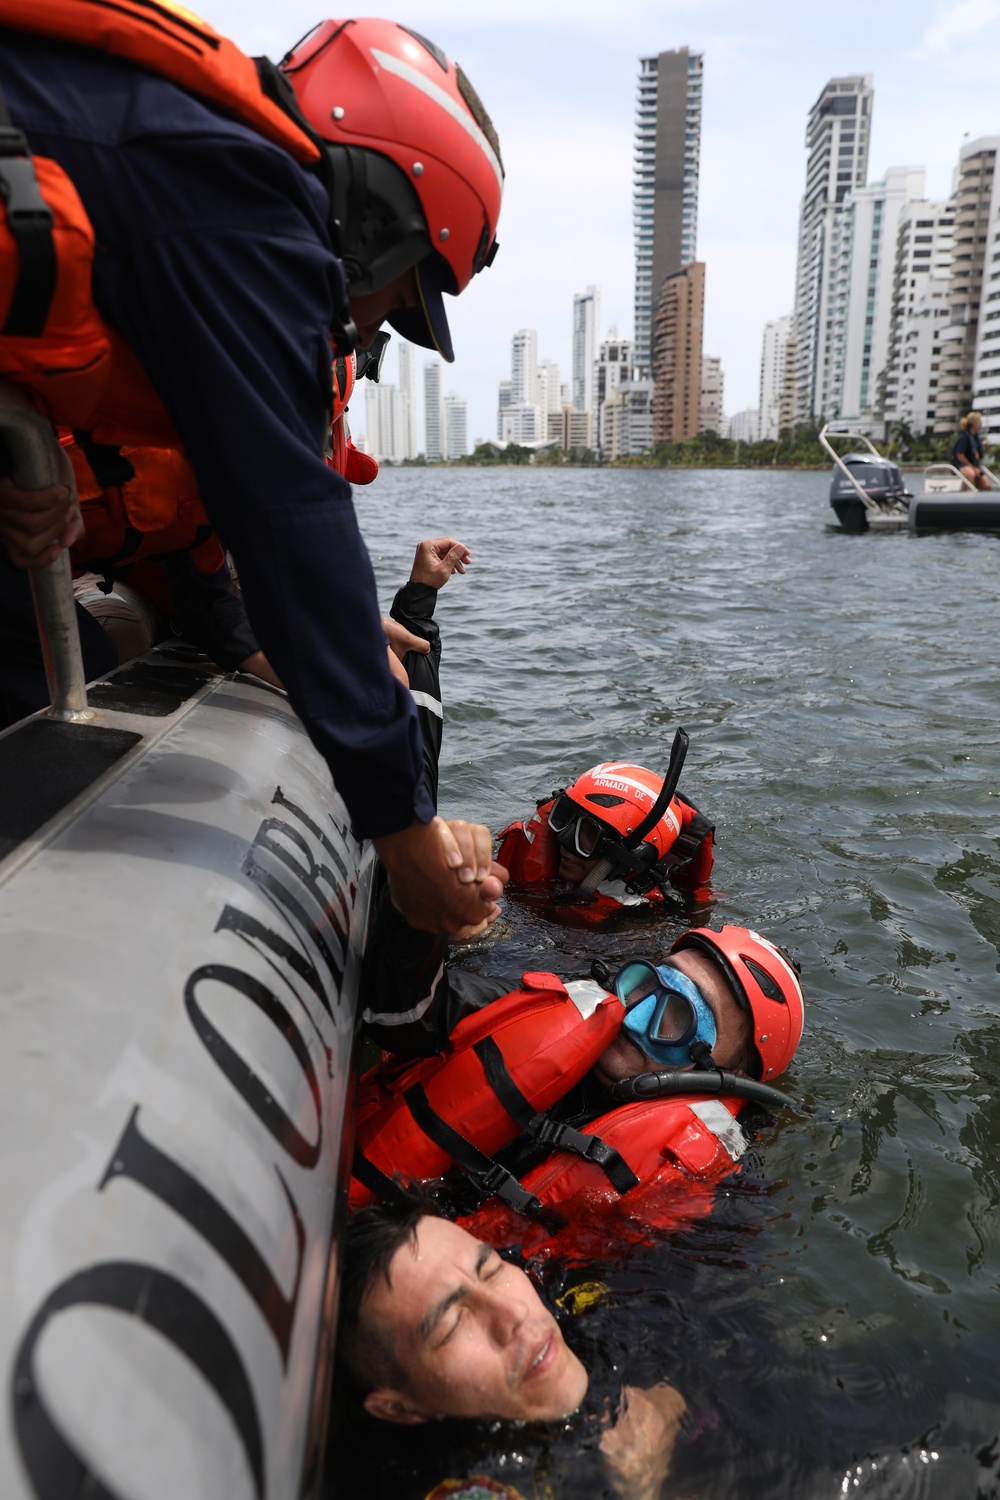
x=881 y=480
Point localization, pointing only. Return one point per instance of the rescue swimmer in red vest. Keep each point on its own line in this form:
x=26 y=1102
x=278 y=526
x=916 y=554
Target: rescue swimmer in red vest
x=619 y=837
x=612 y=1101
x=183 y=234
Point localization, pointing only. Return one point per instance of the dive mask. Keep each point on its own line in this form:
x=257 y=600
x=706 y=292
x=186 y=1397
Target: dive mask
x=665 y=1012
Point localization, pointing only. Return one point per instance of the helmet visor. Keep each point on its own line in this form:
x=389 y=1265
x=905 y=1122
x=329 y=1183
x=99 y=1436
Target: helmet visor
x=427 y=323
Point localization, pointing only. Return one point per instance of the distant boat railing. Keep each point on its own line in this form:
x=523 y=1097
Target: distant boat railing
x=870 y=505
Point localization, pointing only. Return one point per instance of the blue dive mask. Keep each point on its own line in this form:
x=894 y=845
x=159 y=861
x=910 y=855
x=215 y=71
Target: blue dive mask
x=665 y=1012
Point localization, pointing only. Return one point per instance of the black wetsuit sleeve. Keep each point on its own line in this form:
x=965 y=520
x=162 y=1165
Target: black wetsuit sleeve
x=208 y=613
x=411 y=1000
x=413 y=608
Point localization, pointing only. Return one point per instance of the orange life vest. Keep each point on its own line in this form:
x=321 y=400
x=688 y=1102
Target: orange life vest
x=679 y=1149
x=530 y=853
x=53 y=340
x=156 y=512
x=520 y=1054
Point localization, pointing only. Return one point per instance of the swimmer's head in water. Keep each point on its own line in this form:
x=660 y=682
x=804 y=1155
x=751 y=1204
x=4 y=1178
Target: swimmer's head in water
x=436 y=1324
x=595 y=816
x=749 y=993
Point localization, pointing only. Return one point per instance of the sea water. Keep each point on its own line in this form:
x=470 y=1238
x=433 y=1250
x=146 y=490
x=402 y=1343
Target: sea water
x=835 y=1326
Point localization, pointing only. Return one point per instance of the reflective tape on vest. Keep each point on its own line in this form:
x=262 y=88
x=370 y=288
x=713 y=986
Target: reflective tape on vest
x=716 y=1117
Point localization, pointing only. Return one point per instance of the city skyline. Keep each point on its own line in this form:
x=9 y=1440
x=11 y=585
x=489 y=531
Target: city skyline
x=558 y=234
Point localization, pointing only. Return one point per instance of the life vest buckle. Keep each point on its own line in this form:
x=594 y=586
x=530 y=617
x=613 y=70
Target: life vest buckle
x=18 y=183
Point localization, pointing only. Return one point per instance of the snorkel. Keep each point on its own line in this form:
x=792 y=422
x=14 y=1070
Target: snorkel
x=604 y=867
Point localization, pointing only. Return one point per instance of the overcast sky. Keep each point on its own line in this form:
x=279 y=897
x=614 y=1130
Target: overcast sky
x=559 y=79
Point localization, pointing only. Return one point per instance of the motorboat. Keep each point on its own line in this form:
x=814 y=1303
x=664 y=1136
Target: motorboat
x=867 y=490
x=948 y=502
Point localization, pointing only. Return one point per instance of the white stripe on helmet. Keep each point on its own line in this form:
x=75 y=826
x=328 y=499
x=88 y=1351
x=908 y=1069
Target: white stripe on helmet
x=408 y=74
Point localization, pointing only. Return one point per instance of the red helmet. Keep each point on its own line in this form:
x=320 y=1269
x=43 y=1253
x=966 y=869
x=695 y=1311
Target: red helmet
x=620 y=795
x=765 y=983
x=417 y=178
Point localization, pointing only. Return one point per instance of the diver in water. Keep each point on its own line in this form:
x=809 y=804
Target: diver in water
x=615 y=1098
x=616 y=837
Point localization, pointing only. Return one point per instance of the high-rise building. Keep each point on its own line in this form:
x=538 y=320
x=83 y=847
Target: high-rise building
x=744 y=427
x=505 y=398
x=433 y=446
x=677 y=339
x=613 y=368
x=908 y=385
x=523 y=422
x=710 y=417
x=549 y=386
x=986 y=370
x=858 y=313
x=665 y=199
x=837 y=136
x=408 y=386
x=524 y=367
x=968 y=366
x=627 y=419
x=456 y=425
x=775 y=376
x=586 y=334
x=387 y=423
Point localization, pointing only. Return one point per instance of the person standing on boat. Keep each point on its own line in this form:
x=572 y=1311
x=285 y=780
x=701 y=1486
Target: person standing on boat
x=969 y=451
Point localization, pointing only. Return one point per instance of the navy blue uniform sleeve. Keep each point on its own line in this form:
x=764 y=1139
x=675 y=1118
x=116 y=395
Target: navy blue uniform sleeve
x=208 y=613
x=413 y=608
x=214 y=263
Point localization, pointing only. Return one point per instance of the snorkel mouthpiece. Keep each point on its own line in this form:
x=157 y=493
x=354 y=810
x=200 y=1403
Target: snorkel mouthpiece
x=644 y=1018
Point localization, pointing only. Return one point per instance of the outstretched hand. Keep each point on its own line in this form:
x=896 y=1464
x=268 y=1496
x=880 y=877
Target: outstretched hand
x=442 y=876
x=437 y=558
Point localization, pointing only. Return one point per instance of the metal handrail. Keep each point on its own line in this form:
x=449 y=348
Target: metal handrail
x=869 y=504
x=38 y=461
x=952 y=470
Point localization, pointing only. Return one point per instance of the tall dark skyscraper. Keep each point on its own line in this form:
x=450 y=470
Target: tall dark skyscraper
x=665 y=201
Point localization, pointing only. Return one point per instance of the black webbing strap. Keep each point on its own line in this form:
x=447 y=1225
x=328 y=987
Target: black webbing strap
x=29 y=219
x=685 y=846
x=488 y=1175
x=546 y=1131
x=372 y=1177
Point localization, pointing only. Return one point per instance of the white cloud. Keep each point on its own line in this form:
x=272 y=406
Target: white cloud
x=957 y=23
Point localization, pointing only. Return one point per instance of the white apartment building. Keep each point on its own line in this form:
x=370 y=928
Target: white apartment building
x=986 y=365
x=524 y=366
x=387 y=423
x=710 y=416
x=627 y=419
x=774 y=374
x=613 y=368
x=744 y=427
x=909 y=383
x=837 y=138
x=408 y=386
x=859 y=301
x=456 y=425
x=433 y=444
x=549 y=395
x=586 y=334
x=665 y=179
x=523 y=422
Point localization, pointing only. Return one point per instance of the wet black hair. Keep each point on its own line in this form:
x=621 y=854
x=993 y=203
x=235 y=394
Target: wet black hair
x=366 y=1358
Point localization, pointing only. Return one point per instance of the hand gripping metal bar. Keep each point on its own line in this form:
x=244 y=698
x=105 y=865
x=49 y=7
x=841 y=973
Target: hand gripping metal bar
x=38 y=461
